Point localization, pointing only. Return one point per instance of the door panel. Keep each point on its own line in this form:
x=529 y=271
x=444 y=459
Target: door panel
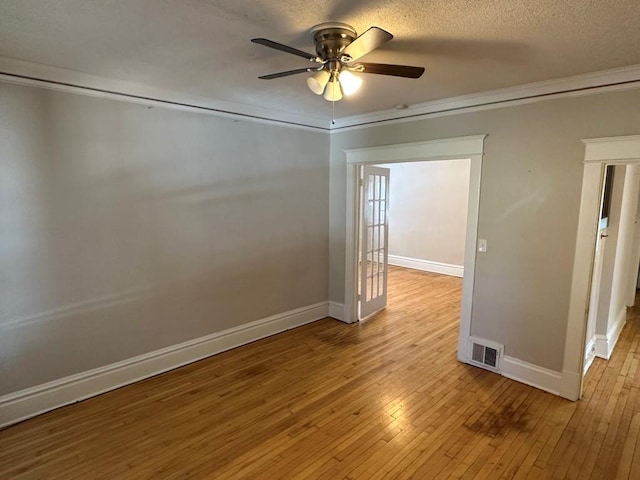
x=373 y=240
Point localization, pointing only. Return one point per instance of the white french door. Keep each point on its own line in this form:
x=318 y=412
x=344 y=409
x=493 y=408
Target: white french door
x=373 y=240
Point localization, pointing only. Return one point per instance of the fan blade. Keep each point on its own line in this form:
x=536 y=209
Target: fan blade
x=285 y=48
x=287 y=73
x=387 y=69
x=364 y=43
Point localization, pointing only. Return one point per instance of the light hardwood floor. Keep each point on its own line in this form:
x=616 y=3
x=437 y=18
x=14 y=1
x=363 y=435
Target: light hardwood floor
x=382 y=399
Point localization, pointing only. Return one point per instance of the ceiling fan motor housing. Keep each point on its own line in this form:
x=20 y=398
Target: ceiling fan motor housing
x=330 y=39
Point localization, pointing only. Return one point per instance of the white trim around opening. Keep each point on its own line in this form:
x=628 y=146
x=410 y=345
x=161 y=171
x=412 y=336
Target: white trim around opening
x=471 y=147
x=599 y=152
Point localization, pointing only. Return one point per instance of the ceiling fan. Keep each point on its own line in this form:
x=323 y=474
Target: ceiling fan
x=338 y=49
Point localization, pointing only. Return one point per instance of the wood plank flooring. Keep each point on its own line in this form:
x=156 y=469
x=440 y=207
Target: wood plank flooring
x=385 y=399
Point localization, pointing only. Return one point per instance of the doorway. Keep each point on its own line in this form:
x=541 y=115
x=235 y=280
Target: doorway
x=615 y=263
x=446 y=149
x=599 y=152
x=598 y=262
x=422 y=225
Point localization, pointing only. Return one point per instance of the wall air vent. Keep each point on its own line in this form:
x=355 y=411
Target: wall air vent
x=485 y=354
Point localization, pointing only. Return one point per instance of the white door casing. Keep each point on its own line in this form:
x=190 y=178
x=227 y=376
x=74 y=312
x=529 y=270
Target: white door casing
x=374 y=238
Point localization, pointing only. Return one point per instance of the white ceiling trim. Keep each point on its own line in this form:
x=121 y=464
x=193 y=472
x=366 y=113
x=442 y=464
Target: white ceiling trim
x=25 y=73
x=587 y=84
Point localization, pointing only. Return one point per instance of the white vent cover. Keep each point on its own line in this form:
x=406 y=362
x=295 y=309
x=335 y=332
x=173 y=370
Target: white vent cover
x=485 y=354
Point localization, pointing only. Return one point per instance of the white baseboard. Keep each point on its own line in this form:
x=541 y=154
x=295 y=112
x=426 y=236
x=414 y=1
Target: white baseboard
x=606 y=343
x=563 y=384
x=589 y=354
x=426 y=265
x=33 y=401
x=534 y=375
x=602 y=347
x=336 y=310
x=616 y=329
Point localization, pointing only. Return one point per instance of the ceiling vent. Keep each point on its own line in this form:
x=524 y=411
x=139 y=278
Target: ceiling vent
x=485 y=354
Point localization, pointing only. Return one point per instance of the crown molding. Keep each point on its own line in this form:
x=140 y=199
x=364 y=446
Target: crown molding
x=44 y=76
x=587 y=84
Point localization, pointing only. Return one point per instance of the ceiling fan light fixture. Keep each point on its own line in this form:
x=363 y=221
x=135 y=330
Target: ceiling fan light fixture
x=349 y=82
x=318 y=82
x=337 y=46
x=333 y=92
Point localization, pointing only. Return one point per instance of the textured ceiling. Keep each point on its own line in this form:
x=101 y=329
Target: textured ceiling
x=202 y=47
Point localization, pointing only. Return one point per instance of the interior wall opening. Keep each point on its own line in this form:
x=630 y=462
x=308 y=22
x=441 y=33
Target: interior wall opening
x=616 y=261
x=599 y=153
x=470 y=147
x=426 y=220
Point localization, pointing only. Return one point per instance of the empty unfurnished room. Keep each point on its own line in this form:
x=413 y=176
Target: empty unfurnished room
x=319 y=240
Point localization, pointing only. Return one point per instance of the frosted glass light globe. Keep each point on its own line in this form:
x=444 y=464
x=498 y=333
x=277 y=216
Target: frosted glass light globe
x=318 y=81
x=333 y=92
x=349 y=82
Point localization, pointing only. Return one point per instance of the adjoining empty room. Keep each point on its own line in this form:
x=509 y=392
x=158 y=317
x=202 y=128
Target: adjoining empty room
x=422 y=228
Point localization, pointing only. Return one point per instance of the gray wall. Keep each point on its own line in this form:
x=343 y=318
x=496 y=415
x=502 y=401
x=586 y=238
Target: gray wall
x=125 y=228
x=428 y=210
x=530 y=194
